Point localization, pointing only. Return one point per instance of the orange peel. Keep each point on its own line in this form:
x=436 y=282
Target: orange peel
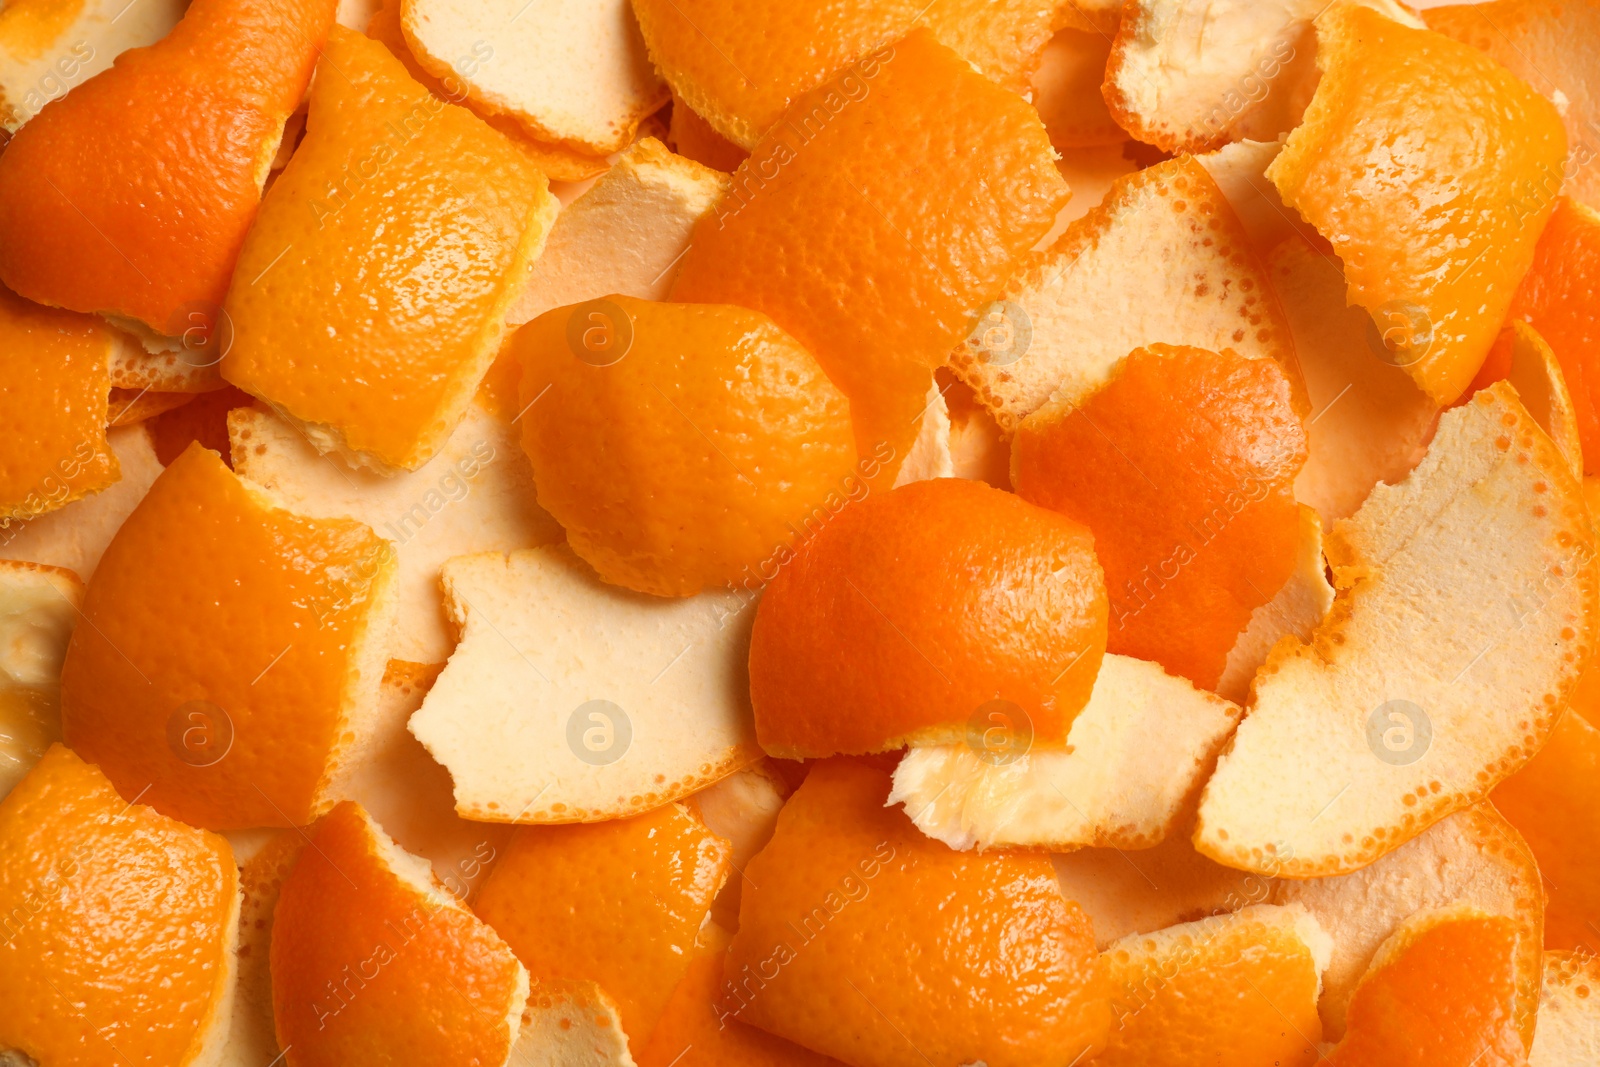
x=1432 y=233
x=372 y=959
x=153 y=986
x=882 y=150
x=912 y=612
x=292 y=611
x=1407 y=706
x=439 y=216
x=864 y=940
x=94 y=215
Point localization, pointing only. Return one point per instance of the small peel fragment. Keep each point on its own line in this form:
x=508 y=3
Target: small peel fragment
x=1134 y=758
x=1085 y=310
x=626 y=234
x=569 y=700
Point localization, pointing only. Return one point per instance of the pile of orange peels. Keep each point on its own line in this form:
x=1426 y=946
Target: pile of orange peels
x=677 y=533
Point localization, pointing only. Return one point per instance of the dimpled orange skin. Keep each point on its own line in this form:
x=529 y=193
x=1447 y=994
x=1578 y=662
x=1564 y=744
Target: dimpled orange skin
x=1443 y=1001
x=1560 y=297
x=1183 y=466
x=53 y=400
x=208 y=594
x=376 y=311
x=693 y=458
x=368 y=969
x=1554 y=802
x=695 y=1030
x=1389 y=165
x=132 y=195
x=908 y=145
x=1250 y=989
x=909 y=611
x=862 y=939
x=617 y=903
x=706 y=48
x=117 y=923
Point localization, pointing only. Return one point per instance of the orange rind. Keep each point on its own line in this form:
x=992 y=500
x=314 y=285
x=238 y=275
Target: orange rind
x=1552 y=803
x=475 y=495
x=1569 y=1012
x=373 y=960
x=742 y=809
x=216 y=619
x=1182 y=464
x=883 y=293
x=1191 y=77
x=1408 y=705
x=618 y=904
x=75 y=536
x=435 y=221
x=682 y=446
x=1300 y=604
x=741 y=65
x=909 y=613
x=1070 y=319
x=1432 y=231
x=48 y=48
x=132 y=196
x=38 y=608
x=204 y=419
x=570 y=700
x=1134 y=761
x=1369 y=421
x=252 y=1034
x=693 y=138
x=1440 y=993
x=1521 y=357
x=1558 y=299
x=54 y=398
x=695 y=1032
x=559 y=163
x=120 y=925
x=626 y=234
x=861 y=939
x=1242 y=985
x=1066 y=90
x=1550 y=44
x=574 y=75
x=1474 y=857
